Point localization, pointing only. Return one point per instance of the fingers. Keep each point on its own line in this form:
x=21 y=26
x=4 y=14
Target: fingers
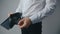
x=21 y=23
x=9 y=14
x=24 y=25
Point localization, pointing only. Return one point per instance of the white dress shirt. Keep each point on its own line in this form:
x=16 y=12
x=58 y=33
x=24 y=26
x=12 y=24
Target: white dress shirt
x=36 y=10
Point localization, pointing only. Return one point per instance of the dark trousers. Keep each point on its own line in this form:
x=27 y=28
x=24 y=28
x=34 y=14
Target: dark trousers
x=33 y=29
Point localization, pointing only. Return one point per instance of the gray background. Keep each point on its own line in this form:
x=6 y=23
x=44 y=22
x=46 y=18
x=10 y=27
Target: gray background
x=50 y=25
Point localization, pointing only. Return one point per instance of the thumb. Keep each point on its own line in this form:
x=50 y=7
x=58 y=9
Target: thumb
x=21 y=22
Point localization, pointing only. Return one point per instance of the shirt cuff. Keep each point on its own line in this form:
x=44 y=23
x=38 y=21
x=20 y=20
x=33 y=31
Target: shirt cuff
x=34 y=18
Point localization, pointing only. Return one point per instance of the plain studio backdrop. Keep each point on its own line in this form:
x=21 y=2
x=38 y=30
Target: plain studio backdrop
x=50 y=25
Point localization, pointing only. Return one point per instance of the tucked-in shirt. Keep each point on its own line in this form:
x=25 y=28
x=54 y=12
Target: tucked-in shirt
x=36 y=10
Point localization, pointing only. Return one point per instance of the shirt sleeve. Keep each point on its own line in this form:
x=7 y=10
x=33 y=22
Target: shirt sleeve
x=47 y=10
x=19 y=7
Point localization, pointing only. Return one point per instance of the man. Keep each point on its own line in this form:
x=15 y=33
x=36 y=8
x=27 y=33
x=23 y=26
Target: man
x=33 y=12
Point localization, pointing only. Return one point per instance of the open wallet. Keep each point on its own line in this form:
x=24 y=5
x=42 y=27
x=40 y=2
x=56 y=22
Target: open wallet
x=12 y=20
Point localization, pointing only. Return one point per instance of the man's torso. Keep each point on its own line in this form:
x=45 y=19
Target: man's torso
x=30 y=7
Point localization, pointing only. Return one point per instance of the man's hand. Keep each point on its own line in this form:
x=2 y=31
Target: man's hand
x=24 y=23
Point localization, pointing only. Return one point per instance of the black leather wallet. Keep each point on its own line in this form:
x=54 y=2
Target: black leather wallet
x=11 y=20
